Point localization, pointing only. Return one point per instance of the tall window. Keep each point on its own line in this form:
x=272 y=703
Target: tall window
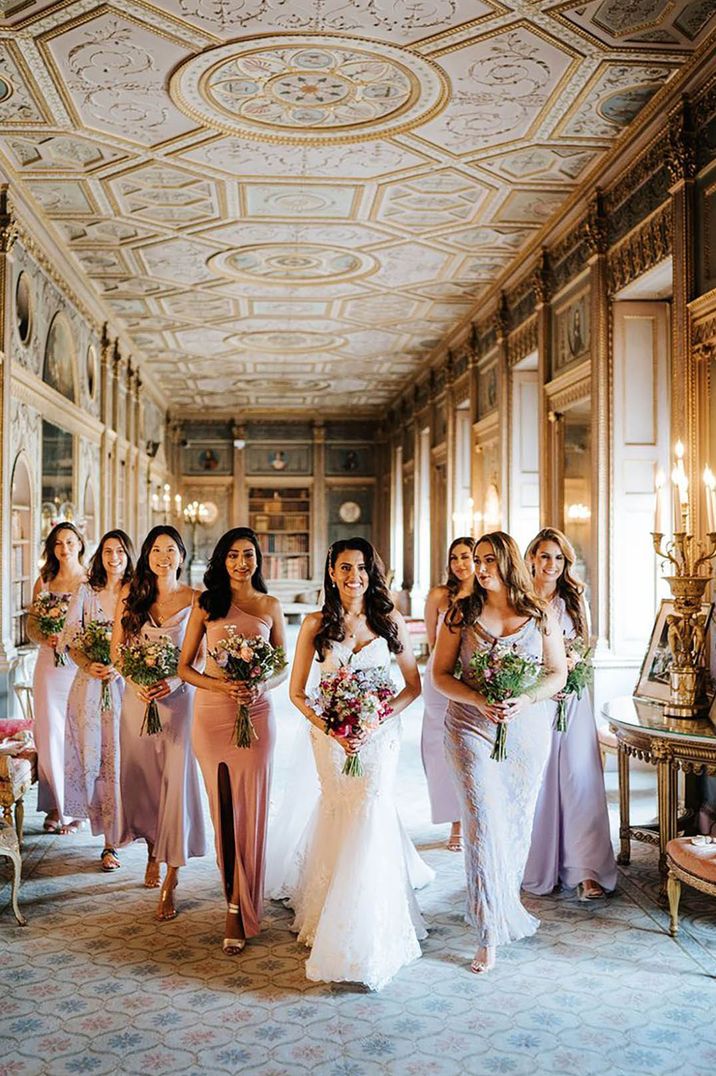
x=57 y=469
x=396 y=530
x=462 y=515
x=422 y=514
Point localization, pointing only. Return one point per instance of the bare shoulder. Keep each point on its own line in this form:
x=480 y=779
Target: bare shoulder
x=311 y=623
x=270 y=604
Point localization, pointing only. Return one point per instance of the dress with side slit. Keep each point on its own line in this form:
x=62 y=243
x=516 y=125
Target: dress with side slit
x=238 y=780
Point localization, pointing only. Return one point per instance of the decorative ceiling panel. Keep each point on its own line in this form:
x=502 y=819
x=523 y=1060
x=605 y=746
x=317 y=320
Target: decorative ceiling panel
x=288 y=203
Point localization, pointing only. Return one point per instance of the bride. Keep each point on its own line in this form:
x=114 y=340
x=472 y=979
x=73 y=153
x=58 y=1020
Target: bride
x=350 y=876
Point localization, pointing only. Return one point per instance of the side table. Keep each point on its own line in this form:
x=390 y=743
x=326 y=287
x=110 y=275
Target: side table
x=10 y=849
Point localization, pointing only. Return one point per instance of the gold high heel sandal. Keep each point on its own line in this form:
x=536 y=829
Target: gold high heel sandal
x=166 y=909
x=233 y=946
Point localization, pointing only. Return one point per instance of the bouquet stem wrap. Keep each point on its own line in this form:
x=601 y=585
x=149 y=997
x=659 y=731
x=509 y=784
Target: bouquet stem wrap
x=246 y=659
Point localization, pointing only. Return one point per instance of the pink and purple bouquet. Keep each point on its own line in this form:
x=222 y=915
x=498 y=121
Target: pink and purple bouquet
x=579 y=676
x=50 y=611
x=500 y=674
x=146 y=662
x=351 y=700
x=93 y=640
x=246 y=659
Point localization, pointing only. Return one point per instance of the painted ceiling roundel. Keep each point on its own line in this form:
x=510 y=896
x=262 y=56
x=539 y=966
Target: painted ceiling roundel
x=291 y=88
x=278 y=263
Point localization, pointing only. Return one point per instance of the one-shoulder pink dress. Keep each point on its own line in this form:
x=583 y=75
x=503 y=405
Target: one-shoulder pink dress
x=238 y=779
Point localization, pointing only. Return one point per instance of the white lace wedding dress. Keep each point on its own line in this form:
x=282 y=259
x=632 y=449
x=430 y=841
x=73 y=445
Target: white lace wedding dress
x=351 y=875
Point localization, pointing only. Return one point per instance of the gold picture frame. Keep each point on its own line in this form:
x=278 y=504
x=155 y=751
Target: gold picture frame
x=653 y=682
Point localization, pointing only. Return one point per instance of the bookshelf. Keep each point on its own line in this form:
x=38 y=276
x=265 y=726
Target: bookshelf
x=21 y=560
x=281 y=518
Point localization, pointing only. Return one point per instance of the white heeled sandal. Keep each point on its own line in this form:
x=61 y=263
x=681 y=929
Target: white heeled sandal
x=233 y=946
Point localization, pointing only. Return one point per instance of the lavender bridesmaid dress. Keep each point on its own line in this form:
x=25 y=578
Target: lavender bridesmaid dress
x=92 y=735
x=50 y=690
x=159 y=777
x=570 y=834
x=497 y=799
x=238 y=780
x=444 y=806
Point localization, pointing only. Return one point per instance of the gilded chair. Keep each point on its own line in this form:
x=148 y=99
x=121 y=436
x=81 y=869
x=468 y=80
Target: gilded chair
x=693 y=864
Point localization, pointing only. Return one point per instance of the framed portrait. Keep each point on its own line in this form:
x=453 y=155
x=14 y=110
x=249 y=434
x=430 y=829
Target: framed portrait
x=653 y=680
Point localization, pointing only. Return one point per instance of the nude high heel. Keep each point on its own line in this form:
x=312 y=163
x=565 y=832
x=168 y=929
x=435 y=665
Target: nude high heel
x=233 y=946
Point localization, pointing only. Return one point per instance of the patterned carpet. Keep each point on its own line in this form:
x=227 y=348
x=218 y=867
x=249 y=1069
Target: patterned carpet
x=94 y=985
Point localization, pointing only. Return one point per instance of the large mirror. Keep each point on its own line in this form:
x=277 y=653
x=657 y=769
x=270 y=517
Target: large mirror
x=57 y=468
x=577 y=484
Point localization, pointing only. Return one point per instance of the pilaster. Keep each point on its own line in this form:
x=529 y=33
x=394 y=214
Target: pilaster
x=8 y=235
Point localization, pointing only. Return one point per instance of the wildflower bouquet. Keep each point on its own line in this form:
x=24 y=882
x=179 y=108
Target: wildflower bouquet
x=50 y=611
x=579 y=676
x=501 y=674
x=92 y=640
x=146 y=662
x=246 y=659
x=350 y=700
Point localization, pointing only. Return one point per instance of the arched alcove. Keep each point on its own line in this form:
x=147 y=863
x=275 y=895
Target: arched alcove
x=89 y=515
x=21 y=501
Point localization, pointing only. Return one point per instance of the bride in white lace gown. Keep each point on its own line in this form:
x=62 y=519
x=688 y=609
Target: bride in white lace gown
x=350 y=876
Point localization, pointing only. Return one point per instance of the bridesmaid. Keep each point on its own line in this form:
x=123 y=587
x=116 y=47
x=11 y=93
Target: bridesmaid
x=91 y=732
x=498 y=798
x=571 y=843
x=238 y=780
x=444 y=804
x=62 y=572
x=159 y=779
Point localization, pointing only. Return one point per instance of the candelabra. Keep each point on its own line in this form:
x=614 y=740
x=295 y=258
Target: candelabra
x=195 y=515
x=690 y=564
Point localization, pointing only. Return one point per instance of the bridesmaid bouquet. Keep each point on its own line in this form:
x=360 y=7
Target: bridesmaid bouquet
x=501 y=674
x=50 y=610
x=350 y=700
x=146 y=662
x=579 y=676
x=93 y=641
x=247 y=659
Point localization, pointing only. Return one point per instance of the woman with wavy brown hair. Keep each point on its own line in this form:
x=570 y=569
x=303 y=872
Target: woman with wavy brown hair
x=444 y=806
x=62 y=573
x=159 y=775
x=571 y=843
x=497 y=796
x=348 y=878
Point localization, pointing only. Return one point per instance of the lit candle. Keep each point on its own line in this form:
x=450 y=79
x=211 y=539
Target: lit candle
x=658 y=486
x=177 y=503
x=676 y=498
x=710 y=484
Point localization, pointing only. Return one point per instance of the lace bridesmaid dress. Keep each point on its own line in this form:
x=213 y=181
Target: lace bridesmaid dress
x=570 y=835
x=350 y=880
x=159 y=777
x=50 y=690
x=92 y=735
x=444 y=806
x=497 y=798
x=238 y=780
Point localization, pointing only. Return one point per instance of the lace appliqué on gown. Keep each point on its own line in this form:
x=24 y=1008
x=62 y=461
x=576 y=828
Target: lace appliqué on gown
x=349 y=879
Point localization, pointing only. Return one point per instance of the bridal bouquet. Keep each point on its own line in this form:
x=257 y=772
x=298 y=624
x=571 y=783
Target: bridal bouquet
x=92 y=640
x=350 y=700
x=146 y=662
x=247 y=659
x=501 y=674
x=50 y=610
x=579 y=676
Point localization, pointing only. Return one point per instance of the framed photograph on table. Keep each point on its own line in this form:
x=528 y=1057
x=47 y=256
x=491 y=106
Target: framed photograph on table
x=653 y=680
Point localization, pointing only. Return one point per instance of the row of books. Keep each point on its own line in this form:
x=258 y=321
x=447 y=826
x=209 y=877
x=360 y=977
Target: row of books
x=283 y=543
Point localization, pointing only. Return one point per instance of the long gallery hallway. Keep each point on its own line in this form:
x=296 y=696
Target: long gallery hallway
x=95 y=985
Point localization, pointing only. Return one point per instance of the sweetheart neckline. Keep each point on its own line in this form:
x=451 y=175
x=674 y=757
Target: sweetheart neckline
x=354 y=653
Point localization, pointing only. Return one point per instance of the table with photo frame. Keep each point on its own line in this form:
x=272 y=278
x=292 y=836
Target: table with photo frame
x=671 y=744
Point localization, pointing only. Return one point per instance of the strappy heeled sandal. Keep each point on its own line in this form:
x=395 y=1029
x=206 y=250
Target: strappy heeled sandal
x=109 y=859
x=481 y=967
x=233 y=946
x=166 y=909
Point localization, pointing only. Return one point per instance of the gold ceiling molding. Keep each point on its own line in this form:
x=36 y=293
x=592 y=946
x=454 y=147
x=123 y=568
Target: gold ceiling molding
x=309 y=88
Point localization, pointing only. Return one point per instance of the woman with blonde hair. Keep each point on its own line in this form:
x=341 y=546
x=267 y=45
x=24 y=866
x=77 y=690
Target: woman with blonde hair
x=444 y=806
x=571 y=843
x=497 y=796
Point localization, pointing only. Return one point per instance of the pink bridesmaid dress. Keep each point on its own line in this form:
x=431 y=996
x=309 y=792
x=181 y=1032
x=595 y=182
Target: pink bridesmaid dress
x=444 y=806
x=161 y=795
x=50 y=690
x=238 y=780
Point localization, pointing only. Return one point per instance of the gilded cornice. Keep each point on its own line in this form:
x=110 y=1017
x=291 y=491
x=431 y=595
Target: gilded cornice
x=642 y=248
x=569 y=388
x=595 y=225
x=8 y=223
x=522 y=341
x=681 y=154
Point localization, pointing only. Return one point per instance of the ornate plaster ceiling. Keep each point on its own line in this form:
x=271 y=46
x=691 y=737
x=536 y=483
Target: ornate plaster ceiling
x=288 y=203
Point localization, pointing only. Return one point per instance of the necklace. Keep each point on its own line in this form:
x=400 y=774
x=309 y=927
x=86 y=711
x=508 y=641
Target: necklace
x=358 y=616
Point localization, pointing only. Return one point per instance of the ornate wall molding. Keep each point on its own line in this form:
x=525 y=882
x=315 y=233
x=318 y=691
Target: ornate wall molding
x=571 y=388
x=643 y=248
x=681 y=153
x=522 y=341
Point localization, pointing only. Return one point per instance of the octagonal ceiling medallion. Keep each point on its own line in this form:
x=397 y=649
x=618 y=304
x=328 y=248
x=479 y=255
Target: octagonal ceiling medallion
x=284 y=263
x=312 y=90
x=290 y=340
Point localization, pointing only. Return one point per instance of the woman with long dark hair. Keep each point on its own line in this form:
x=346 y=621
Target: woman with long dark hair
x=238 y=780
x=95 y=699
x=571 y=843
x=159 y=778
x=497 y=796
x=62 y=573
x=444 y=805
x=348 y=880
